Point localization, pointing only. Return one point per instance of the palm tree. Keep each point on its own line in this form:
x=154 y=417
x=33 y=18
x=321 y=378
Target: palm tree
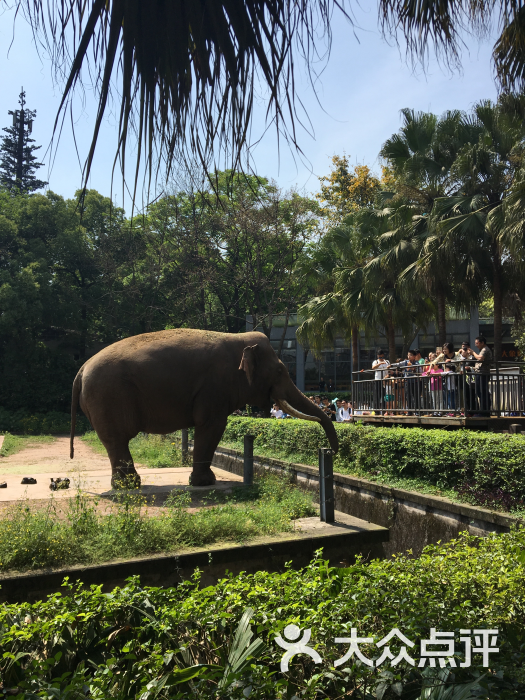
x=470 y=224
x=421 y=156
x=366 y=292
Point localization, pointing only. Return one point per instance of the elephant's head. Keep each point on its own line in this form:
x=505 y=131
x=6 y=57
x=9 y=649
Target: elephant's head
x=269 y=381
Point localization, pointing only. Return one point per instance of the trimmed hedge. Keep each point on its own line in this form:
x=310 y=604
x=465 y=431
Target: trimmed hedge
x=24 y=423
x=484 y=468
x=151 y=642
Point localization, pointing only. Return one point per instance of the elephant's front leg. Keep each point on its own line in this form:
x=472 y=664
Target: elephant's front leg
x=123 y=470
x=207 y=437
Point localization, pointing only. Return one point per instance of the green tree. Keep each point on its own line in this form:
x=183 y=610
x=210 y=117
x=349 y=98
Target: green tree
x=346 y=190
x=470 y=223
x=18 y=162
x=420 y=157
x=367 y=292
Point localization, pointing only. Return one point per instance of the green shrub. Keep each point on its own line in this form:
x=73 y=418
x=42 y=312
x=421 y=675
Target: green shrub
x=485 y=468
x=24 y=423
x=147 y=642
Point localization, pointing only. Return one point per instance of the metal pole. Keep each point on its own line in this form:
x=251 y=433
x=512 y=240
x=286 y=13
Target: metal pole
x=326 y=485
x=498 y=397
x=248 y=460
x=184 y=445
x=463 y=407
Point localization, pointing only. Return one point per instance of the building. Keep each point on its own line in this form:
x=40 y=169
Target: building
x=335 y=364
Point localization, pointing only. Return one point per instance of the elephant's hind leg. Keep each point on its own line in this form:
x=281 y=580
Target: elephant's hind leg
x=124 y=474
x=207 y=438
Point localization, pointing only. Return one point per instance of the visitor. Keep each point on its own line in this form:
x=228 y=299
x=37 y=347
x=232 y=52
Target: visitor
x=392 y=390
x=276 y=412
x=447 y=354
x=482 y=374
x=346 y=412
x=436 y=384
x=317 y=400
x=322 y=384
x=448 y=359
x=421 y=390
x=329 y=408
x=410 y=370
x=469 y=399
x=419 y=358
x=380 y=366
x=338 y=411
x=331 y=386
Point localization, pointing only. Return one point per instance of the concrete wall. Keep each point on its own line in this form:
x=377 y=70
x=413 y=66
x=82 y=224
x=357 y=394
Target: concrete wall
x=414 y=520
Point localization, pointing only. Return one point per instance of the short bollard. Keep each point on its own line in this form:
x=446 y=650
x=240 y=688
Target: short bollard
x=184 y=445
x=248 y=460
x=326 y=485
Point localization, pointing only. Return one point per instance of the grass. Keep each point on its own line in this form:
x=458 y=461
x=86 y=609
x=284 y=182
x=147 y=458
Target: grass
x=14 y=443
x=151 y=450
x=33 y=538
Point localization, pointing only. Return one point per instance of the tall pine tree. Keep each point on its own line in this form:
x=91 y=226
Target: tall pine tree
x=17 y=160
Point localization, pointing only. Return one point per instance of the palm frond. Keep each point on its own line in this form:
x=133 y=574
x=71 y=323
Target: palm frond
x=185 y=70
x=509 y=53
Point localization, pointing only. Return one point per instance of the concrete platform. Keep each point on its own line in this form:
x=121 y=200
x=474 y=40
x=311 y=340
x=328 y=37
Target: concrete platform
x=491 y=424
x=341 y=542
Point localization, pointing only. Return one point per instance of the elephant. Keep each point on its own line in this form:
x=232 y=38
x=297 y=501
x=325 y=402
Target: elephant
x=169 y=380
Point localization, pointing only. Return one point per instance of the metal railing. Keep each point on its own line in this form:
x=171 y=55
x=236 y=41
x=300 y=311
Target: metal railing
x=413 y=391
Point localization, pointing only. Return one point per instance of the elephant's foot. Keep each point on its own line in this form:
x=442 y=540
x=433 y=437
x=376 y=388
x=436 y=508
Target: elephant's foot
x=204 y=477
x=125 y=480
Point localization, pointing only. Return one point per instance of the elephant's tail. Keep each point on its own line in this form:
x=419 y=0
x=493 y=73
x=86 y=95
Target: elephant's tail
x=77 y=388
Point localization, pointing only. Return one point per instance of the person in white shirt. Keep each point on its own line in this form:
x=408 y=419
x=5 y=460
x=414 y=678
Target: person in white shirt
x=344 y=414
x=380 y=366
x=276 y=412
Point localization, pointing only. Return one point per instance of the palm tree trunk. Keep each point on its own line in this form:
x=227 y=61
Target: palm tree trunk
x=498 y=300
x=391 y=337
x=355 y=348
x=441 y=316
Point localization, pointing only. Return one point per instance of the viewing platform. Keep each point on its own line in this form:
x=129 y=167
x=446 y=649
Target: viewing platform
x=461 y=398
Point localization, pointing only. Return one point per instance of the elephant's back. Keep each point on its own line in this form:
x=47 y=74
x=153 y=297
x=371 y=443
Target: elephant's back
x=168 y=358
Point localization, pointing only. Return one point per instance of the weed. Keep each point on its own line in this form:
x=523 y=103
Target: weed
x=32 y=538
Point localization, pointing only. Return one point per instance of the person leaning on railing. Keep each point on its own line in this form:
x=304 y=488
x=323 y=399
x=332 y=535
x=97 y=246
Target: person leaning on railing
x=380 y=367
x=410 y=371
x=436 y=384
x=469 y=399
x=448 y=360
x=482 y=374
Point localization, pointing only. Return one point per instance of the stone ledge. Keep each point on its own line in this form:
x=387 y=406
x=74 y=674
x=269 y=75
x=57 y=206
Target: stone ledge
x=438 y=503
x=414 y=520
x=342 y=540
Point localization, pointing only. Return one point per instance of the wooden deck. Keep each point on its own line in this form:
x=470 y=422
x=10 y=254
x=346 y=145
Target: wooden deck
x=491 y=424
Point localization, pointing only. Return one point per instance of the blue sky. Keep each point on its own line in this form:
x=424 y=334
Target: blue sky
x=362 y=89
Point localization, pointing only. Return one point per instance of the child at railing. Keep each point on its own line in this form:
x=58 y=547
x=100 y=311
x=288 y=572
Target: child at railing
x=436 y=384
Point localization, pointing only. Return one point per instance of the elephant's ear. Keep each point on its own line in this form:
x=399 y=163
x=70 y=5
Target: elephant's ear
x=248 y=361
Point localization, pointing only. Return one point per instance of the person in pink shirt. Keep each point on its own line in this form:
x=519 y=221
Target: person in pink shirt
x=436 y=383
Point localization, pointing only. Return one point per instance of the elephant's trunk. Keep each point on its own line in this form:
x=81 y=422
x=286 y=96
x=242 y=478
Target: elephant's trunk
x=296 y=403
x=294 y=412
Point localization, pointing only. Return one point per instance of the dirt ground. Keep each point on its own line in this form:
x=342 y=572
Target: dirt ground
x=90 y=472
